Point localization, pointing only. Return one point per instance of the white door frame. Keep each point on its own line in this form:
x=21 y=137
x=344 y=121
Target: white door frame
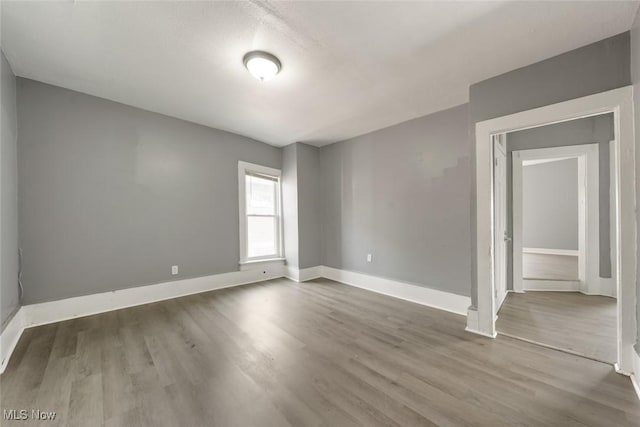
x=500 y=236
x=480 y=319
x=588 y=212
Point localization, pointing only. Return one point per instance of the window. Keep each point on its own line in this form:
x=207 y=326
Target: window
x=260 y=213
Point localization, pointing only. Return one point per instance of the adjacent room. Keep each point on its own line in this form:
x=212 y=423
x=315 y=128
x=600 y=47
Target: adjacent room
x=563 y=282
x=279 y=213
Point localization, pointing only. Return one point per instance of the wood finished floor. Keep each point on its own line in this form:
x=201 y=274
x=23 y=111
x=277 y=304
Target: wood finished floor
x=549 y=267
x=320 y=353
x=584 y=324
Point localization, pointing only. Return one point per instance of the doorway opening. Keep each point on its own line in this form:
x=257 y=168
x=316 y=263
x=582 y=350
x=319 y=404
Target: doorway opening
x=551 y=225
x=481 y=318
x=561 y=287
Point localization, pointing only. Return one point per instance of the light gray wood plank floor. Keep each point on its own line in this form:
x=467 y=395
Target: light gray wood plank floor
x=319 y=353
x=583 y=324
x=549 y=267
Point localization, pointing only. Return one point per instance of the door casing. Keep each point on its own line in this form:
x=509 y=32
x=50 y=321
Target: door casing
x=480 y=316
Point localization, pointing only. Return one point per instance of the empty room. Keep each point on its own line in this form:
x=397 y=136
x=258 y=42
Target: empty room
x=281 y=213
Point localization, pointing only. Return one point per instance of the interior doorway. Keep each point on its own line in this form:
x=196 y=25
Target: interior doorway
x=561 y=221
x=481 y=318
x=552 y=226
x=559 y=293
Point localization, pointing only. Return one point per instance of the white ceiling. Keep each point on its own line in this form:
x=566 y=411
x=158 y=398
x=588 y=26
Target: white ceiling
x=348 y=67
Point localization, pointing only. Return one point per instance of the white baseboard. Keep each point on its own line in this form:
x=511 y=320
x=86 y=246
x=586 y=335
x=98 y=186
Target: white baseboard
x=86 y=305
x=635 y=375
x=608 y=287
x=69 y=308
x=310 y=273
x=546 y=251
x=472 y=320
x=304 y=274
x=9 y=337
x=473 y=323
x=410 y=292
x=292 y=273
x=551 y=285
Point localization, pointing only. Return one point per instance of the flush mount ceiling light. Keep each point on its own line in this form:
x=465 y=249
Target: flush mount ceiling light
x=262 y=65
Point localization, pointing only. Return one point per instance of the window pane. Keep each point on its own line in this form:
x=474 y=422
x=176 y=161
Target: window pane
x=261 y=195
x=261 y=232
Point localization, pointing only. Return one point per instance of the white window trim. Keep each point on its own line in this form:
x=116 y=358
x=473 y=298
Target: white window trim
x=245 y=261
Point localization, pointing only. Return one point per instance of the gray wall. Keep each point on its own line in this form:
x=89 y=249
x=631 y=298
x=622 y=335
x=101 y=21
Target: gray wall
x=308 y=205
x=9 y=293
x=401 y=194
x=595 y=68
x=301 y=208
x=598 y=129
x=635 y=76
x=111 y=196
x=550 y=205
x=290 y=204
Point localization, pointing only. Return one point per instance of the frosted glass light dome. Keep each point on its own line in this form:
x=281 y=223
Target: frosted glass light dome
x=262 y=65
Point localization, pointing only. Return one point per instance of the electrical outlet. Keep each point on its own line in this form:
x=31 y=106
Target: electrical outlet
x=369 y=257
x=174 y=270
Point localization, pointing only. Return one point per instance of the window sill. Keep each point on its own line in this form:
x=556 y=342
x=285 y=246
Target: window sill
x=260 y=263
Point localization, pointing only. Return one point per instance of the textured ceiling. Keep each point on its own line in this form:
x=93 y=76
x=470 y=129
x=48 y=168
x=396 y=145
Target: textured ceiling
x=348 y=67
